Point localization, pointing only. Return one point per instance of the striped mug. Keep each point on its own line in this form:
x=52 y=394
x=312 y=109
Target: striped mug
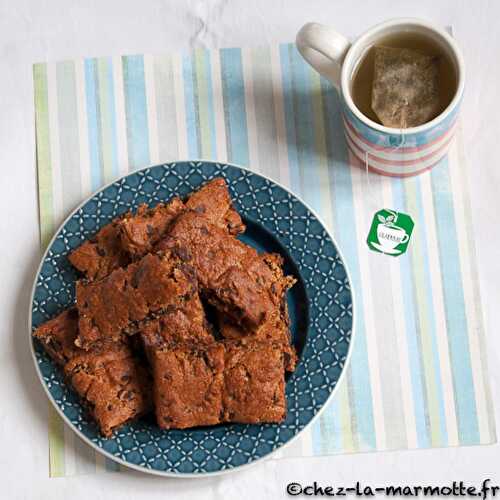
x=384 y=150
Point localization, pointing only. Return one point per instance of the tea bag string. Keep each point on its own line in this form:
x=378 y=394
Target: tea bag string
x=371 y=193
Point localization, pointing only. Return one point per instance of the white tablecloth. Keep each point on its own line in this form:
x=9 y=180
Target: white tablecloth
x=34 y=30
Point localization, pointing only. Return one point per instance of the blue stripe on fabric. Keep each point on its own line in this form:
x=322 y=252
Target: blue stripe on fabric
x=288 y=104
x=422 y=233
x=112 y=117
x=304 y=128
x=345 y=231
x=328 y=424
x=189 y=102
x=415 y=358
x=234 y=105
x=93 y=123
x=210 y=104
x=136 y=111
x=456 y=319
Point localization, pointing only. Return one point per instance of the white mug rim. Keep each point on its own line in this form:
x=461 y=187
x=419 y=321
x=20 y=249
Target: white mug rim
x=345 y=77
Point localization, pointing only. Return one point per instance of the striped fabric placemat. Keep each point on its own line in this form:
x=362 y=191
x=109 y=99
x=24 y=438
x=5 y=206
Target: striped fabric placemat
x=418 y=376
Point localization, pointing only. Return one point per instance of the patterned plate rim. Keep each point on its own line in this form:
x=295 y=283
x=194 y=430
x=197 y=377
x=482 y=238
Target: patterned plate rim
x=190 y=474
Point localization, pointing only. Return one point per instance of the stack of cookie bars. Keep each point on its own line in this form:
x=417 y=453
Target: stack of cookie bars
x=138 y=337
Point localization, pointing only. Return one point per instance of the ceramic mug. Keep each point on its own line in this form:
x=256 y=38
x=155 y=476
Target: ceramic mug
x=385 y=150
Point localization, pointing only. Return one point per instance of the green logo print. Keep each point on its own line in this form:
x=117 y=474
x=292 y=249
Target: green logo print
x=390 y=232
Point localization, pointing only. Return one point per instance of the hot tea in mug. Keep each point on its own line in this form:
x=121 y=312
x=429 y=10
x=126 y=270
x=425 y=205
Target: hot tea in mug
x=404 y=80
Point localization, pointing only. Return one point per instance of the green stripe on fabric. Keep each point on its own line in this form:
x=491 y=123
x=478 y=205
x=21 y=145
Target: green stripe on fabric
x=56 y=443
x=44 y=168
x=46 y=217
x=355 y=437
x=200 y=71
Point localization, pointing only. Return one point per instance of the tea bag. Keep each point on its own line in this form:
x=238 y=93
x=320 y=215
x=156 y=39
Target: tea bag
x=405 y=90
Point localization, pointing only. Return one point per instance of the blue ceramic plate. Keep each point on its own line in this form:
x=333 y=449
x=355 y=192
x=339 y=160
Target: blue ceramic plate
x=320 y=306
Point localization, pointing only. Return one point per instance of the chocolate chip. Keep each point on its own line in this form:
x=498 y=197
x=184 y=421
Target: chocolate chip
x=150 y=230
x=101 y=252
x=189 y=273
x=183 y=253
x=136 y=278
x=125 y=378
x=54 y=343
x=201 y=209
x=110 y=407
x=203 y=230
x=73 y=313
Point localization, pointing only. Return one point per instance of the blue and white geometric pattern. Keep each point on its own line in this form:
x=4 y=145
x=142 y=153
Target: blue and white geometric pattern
x=320 y=307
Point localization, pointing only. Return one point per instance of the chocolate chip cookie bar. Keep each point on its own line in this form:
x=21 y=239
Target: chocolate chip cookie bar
x=114 y=386
x=118 y=303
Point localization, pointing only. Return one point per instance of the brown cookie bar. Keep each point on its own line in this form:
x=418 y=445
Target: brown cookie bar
x=131 y=236
x=140 y=232
x=58 y=336
x=186 y=324
x=118 y=303
x=188 y=381
x=98 y=257
x=232 y=275
x=279 y=283
x=254 y=383
x=222 y=264
x=214 y=203
x=113 y=384
x=276 y=327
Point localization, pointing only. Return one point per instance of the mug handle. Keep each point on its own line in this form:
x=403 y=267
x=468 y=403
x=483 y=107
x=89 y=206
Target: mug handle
x=315 y=40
